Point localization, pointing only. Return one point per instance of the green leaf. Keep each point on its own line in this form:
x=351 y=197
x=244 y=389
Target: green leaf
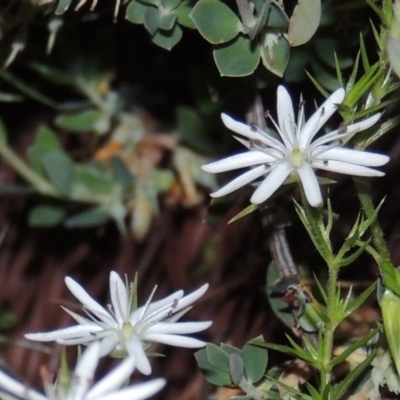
x=351 y=349
x=93 y=178
x=212 y=374
x=87 y=219
x=215 y=21
x=183 y=13
x=237 y=58
x=275 y=53
x=170 y=4
x=248 y=210
x=152 y=18
x=46 y=215
x=255 y=361
x=168 y=39
x=55 y=75
x=277 y=18
x=135 y=12
x=46 y=142
x=121 y=172
x=390 y=306
x=3 y=133
x=59 y=169
x=167 y=21
x=304 y=21
x=359 y=300
x=217 y=357
x=84 y=121
x=62 y=6
x=26 y=89
x=236 y=368
x=342 y=387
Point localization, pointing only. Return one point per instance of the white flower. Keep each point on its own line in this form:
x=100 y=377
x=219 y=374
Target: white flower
x=297 y=152
x=122 y=330
x=81 y=386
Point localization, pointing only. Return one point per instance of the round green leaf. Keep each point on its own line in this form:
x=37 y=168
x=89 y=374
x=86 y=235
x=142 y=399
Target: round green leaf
x=275 y=53
x=304 y=21
x=277 y=18
x=168 y=39
x=135 y=12
x=213 y=375
x=167 y=21
x=217 y=357
x=59 y=169
x=255 y=362
x=236 y=368
x=182 y=12
x=152 y=18
x=46 y=215
x=216 y=22
x=170 y=4
x=239 y=57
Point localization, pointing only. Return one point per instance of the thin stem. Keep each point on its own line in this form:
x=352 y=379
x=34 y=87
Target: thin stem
x=369 y=209
x=40 y=183
x=329 y=327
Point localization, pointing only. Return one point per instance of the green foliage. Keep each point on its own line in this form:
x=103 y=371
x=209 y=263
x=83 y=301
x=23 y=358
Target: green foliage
x=227 y=365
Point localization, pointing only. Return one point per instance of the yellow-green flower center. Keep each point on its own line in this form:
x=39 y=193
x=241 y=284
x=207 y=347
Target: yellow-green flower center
x=296 y=158
x=127 y=330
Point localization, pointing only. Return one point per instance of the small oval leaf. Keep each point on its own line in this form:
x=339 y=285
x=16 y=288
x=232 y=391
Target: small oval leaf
x=275 y=53
x=304 y=21
x=46 y=215
x=216 y=22
x=237 y=58
x=168 y=39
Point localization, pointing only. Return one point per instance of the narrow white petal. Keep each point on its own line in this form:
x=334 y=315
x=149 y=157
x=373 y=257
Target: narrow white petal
x=346 y=168
x=241 y=181
x=66 y=333
x=140 y=391
x=251 y=133
x=18 y=389
x=238 y=161
x=363 y=125
x=152 y=310
x=84 y=372
x=191 y=298
x=271 y=183
x=180 y=328
x=108 y=344
x=318 y=119
x=175 y=340
x=364 y=158
x=119 y=297
x=135 y=349
x=80 y=293
x=286 y=118
x=87 y=364
x=310 y=185
x=113 y=380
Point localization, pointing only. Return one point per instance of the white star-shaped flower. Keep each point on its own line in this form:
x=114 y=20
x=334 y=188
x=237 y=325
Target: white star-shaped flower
x=122 y=330
x=297 y=152
x=81 y=385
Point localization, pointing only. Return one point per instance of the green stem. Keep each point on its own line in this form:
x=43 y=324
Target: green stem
x=40 y=183
x=369 y=209
x=330 y=327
